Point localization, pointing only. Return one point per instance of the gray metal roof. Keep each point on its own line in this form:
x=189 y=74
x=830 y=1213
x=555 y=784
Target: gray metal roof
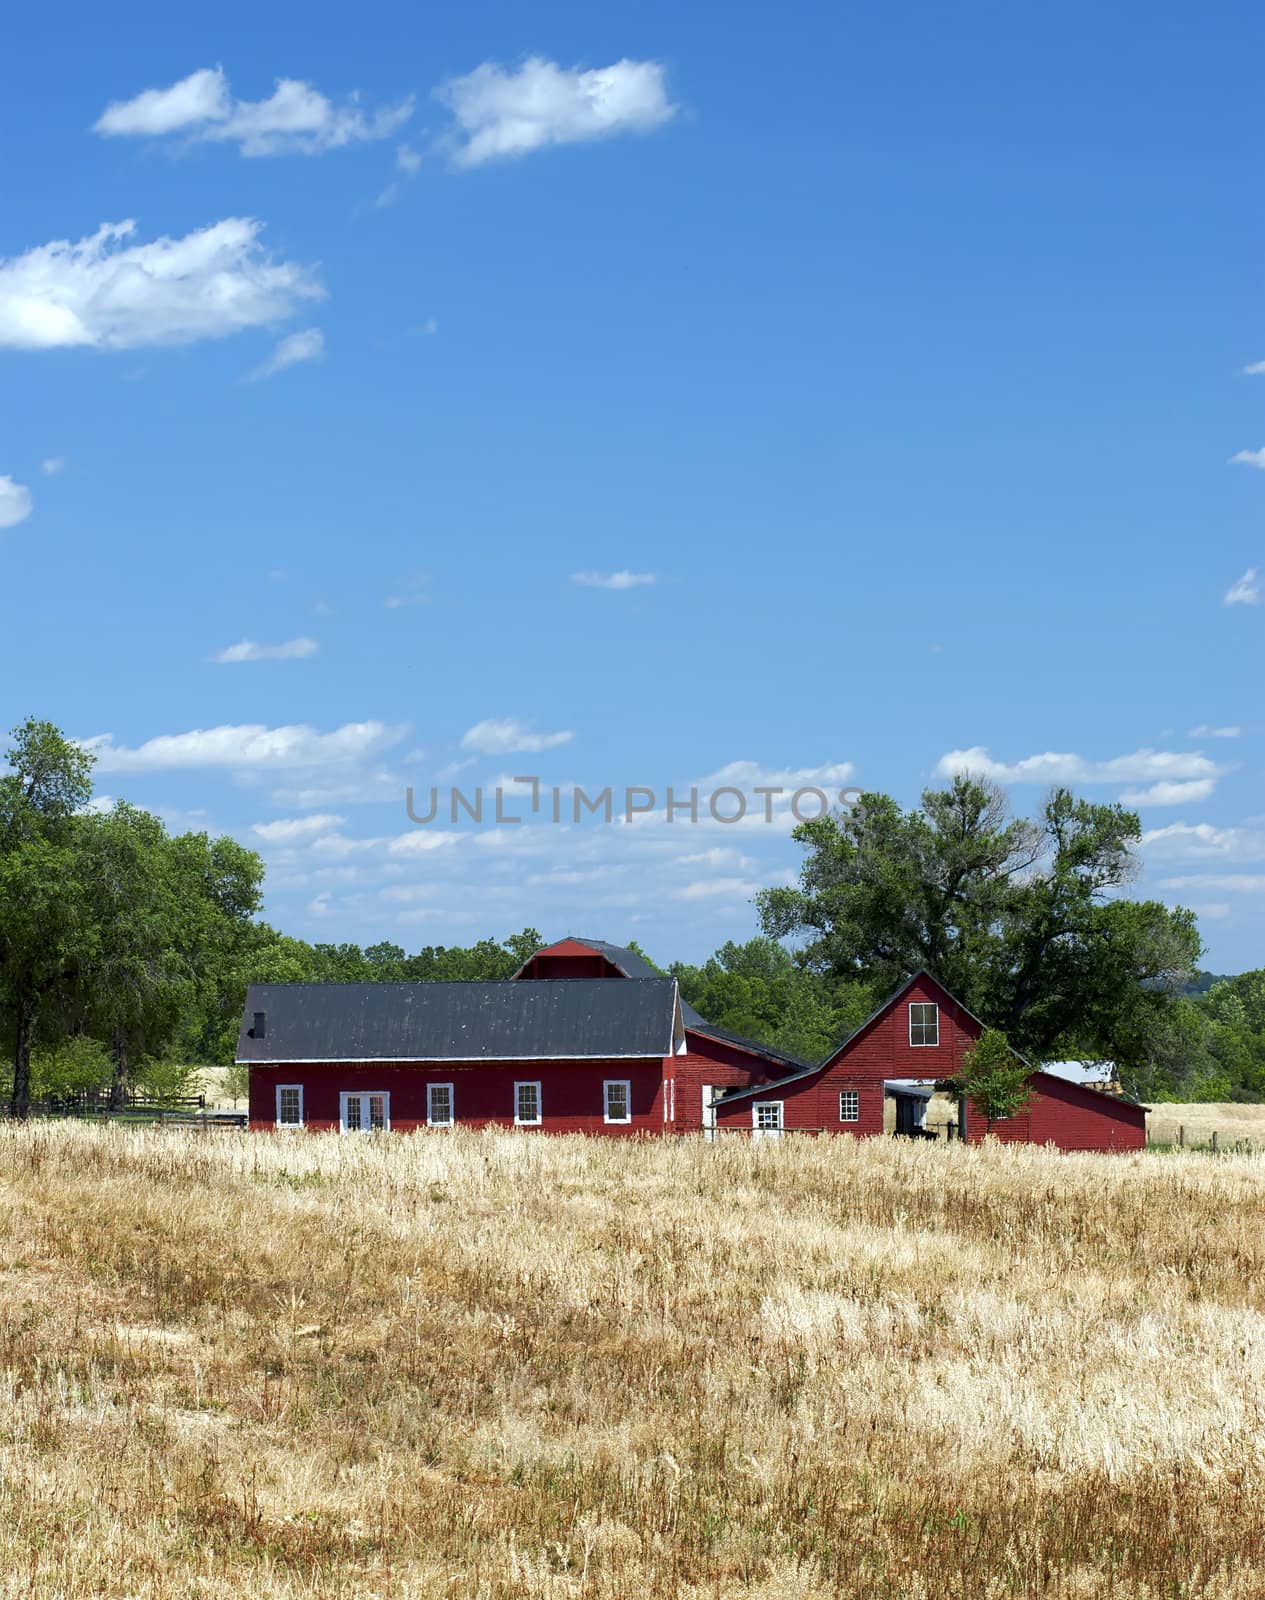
x=551 y=1019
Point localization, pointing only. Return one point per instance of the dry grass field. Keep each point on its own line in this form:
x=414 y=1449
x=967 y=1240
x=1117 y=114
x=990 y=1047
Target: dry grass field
x=1230 y=1122
x=502 y=1365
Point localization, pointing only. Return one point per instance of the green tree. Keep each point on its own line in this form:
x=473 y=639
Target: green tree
x=1018 y=918
x=993 y=1078
x=45 y=926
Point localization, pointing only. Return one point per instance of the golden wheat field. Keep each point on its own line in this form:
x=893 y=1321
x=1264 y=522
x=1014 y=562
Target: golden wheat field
x=502 y=1365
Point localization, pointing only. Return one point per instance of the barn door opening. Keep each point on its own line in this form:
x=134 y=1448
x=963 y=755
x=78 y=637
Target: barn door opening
x=365 y=1113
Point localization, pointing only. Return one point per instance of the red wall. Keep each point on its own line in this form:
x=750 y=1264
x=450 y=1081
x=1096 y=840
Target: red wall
x=483 y=1093
x=722 y=1066
x=1084 y=1119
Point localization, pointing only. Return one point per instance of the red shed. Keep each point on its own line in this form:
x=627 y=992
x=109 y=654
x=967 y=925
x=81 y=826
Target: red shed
x=880 y=1078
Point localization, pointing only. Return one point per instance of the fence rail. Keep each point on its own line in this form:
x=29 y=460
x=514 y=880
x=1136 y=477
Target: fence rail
x=98 y=1102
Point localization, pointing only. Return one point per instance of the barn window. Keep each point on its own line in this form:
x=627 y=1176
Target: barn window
x=617 y=1100
x=439 y=1105
x=766 y=1118
x=365 y=1113
x=924 y=1024
x=526 y=1104
x=289 y=1105
x=849 y=1105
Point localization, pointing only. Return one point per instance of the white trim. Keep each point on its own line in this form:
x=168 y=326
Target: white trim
x=528 y=1122
x=855 y=1096
x=442 y=1061
x=299 y=1088
x=766 y=1131
x=616 y=1083
x=709 y=1113
x=364 y=1094
x=924 y=1044
x=452 y=1106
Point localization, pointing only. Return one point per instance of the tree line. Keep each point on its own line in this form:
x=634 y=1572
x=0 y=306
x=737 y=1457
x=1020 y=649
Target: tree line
x=125 y=951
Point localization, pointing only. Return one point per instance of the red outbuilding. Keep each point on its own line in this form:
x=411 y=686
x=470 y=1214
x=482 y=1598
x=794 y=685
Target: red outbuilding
x=588 y=1038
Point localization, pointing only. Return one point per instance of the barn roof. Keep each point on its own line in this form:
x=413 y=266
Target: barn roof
x=632 y=965
x=550 y=1019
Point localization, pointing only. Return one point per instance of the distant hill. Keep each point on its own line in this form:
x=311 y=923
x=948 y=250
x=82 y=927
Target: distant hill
x=1202 y=982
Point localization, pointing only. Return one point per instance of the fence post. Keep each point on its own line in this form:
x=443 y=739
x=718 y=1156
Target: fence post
x=1214 y=1141
x=1181 y=1135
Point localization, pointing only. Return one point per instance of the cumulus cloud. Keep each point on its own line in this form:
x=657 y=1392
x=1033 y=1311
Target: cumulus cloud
x=16 y=504
x=309 y=345
x=292 y=830
x=106 y=294
x=613 y=580
x=1141 y=767
x=245 y=745
x=250 y=650
x=296 y=119
x=501 y=114
x=502 y=736
x=715 y=888
x=1254 y=369
x=1231 y=882
x=1204 y=731
x=1169 y=794
x=1205 y=839
x=1249 y=458
x=1244 y=591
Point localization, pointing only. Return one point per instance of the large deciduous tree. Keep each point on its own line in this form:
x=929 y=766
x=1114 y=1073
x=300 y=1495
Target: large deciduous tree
x=1018 y=917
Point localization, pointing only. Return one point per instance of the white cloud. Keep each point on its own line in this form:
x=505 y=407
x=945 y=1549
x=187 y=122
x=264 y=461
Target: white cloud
x=296 y=119
x=1244 y=591
x=52 y=465
x=291 y=830
x=713 y=888
x=1215 y=910
x=413 y=591
x=100 y=293
x=501 y=114
x=613 y=580
x=1203 y=731
x=1194 y=839
x=245 y=745
x=506 y=736
x=16 y=504
x=309 y=345
x=249 y=650
x=1254 y=370
x=1142 y=766
x=1248 y=458
x=1231 y=882
x=1169 y=794
x=407 y=163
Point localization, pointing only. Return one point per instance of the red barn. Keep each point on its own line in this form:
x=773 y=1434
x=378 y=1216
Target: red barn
x=588 y=1038
x=884 y=1072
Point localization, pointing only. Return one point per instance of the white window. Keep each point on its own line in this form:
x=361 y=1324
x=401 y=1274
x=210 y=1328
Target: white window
x=439 y=1105
x=924 y=1024
x=849 y=1105
x=526 y=1105
x=766 y=1119
x=617 y=1100
x=365 y=1113
x=669 y=1100
x=289 y=1105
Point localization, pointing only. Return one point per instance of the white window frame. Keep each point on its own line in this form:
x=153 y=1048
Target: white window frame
x=348 y=1094
x=763 y=1130
x=616 y=1083
x=924 y=1044
x=854 y=1114
x=430 y=1105
x=529 y=1122
x=298 y=1087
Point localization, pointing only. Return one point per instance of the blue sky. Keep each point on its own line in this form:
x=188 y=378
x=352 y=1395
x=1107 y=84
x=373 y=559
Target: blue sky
x=642 y=395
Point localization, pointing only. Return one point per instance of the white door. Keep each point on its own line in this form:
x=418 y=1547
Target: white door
x=709 y=1114
x=766 y=1119
x=366 y=1112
